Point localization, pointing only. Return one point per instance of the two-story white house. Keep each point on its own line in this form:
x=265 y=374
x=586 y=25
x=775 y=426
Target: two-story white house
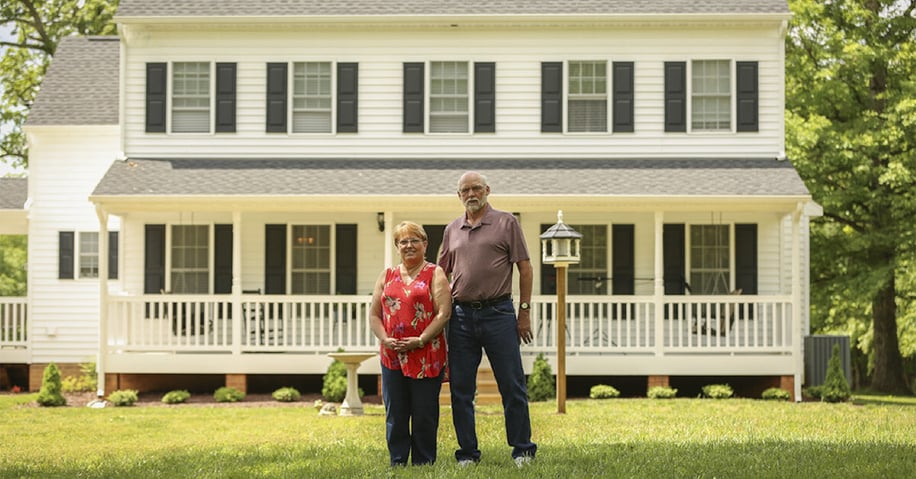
x=212 y=192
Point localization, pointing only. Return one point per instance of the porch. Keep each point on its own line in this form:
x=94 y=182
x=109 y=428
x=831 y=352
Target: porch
x=14 y=330
x=618 y=335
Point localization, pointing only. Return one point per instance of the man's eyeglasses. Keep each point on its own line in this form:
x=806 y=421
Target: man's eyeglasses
x=411 y=242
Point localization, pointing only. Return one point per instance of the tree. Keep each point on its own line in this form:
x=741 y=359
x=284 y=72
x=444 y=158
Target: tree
x=850 y=132
x=13 y=252
x=35 y=28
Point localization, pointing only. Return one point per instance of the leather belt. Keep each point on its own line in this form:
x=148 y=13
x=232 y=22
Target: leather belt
x=483 y=303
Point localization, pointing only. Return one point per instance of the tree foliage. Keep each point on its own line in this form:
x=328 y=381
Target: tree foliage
x=35 y=27
x=850 y=131
x=13 y=252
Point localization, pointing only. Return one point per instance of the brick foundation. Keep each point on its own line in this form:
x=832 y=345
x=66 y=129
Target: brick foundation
x=37 y=372
x=787 y=383
x=654 y=381
x=237 y=381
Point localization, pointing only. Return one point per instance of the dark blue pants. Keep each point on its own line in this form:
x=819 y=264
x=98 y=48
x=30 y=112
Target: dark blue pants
x=493 y=329
x=411 y=416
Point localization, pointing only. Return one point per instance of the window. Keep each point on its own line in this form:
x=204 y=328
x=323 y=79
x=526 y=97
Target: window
x=448 y=97
x=190 y=259
x=710 y=95
x=312 y=97
x=587 y=96
x=709 y=259
x=590 y=275
x=191 y=97
x=89 y=255
x=311 y=259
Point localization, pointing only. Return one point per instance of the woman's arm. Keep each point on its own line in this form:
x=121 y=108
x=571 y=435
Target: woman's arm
x=375 y=314
x=442 y=307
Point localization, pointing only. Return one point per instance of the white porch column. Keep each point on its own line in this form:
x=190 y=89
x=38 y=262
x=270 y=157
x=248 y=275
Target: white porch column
x=389 y=241
x=100 y=365
x=797 y=302
x=659 y=282
x=237 y=282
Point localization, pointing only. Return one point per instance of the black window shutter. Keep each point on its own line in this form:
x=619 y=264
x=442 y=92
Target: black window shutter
x=222 y=259
x=746 y=258
x=624 y=250
x=622 y=98
x=485 y=97
x=345 y=259
x=552 y=97
x=676 y=96
x=275 y=259
x=413 y=98
x=347 y=97
x=65 y=255
x=225 y=97
x=548 y=272
x=674 y=258
x=154 y=259
x=112 y=255
x=276 y=97
x=746 y=98
x=156 y=81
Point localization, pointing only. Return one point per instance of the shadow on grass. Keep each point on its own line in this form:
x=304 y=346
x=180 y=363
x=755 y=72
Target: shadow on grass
x=884 y=400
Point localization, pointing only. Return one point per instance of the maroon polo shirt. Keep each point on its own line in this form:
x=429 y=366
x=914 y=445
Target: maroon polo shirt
x=479 y=259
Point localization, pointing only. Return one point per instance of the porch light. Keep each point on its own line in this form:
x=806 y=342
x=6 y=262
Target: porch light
x=560 y=247
x=380 y=219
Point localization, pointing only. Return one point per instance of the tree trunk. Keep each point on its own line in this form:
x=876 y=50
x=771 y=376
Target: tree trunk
x=888 y=376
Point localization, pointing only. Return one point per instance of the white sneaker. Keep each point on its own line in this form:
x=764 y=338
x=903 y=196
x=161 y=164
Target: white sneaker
x=522 y=461
x=466 y=462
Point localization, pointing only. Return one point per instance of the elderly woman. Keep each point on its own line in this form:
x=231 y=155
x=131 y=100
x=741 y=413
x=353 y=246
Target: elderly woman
x=410 y=306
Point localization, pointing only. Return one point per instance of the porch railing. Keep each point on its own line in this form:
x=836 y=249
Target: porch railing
x=14 y=327
x=321 y=324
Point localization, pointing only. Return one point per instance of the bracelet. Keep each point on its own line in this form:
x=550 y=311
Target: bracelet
x=422 y=343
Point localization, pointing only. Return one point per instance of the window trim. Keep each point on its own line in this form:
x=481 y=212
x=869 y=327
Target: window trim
x=332 y=262
x=688 y=252
x=290 y=97
x=211 y=100
x=567 y=96
x=468 y=96
x=168 y=255
x=80 y=255
x=731 y=97
x=76 y=256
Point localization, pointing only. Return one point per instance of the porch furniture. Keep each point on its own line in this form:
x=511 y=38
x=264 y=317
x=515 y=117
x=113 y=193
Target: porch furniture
x=717 y=320
x=352 y=405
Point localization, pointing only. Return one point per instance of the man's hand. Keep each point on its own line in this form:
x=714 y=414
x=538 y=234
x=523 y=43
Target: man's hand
x=524 y=326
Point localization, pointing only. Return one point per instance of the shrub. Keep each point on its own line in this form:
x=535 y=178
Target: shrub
x=541 y=385
x=286 y=395
x=49 y=395
x=718 y=391
x=227 y=394
x=836 y=387
x=176 y=397
x=86 y=381
x=334 y=388
x=777 y=394
x=603 y=391
x=123 y=397
x=661 y=392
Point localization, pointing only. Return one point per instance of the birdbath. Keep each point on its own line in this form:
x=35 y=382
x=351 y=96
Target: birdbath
x=351 y=405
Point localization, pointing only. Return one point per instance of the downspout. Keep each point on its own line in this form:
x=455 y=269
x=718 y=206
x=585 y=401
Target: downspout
x=101 y=366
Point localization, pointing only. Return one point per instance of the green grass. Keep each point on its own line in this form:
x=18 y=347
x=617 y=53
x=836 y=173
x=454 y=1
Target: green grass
x=871 y=437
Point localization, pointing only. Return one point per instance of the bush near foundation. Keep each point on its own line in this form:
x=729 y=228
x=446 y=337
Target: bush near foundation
x=718 y=391
x=541 y=385
x=176 y=397
x=50 y=393
x=286 y=395
x=123 y=397
x=227 y=394
x=603 y=391
x=661 y=392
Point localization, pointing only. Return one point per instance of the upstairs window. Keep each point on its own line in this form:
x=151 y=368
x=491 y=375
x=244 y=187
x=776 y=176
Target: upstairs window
x=587 y=104
x=191 y=97
x=312 y=97
x=448 y=97
x=710 y=82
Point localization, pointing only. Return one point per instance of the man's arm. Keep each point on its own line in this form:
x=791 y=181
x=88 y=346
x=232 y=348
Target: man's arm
x=525 y=277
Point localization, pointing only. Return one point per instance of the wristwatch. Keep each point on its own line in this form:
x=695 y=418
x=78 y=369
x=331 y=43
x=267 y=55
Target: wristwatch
x=524 y=306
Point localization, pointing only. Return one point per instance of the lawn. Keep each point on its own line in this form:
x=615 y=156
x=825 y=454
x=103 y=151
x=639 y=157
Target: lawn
x=872 y=437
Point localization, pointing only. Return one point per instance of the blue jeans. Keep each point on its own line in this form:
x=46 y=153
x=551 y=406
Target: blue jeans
x=410 y=404
x=493 y=329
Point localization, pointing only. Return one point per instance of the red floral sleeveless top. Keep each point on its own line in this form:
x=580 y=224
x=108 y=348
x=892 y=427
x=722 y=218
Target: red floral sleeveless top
x=407 y=309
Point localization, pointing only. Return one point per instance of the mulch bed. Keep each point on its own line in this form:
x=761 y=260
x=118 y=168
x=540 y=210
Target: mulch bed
x=252 y=400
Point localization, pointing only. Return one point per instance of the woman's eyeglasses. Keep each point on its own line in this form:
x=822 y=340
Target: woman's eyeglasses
x=410 y=242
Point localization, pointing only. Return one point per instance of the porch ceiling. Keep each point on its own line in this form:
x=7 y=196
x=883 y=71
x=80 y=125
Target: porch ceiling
x=339 y=184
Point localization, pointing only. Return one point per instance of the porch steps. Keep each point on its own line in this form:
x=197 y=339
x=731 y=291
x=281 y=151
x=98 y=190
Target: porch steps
x=487 y=390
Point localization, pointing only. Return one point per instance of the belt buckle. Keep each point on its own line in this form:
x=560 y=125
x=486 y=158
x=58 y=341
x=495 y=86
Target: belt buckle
x=476 y=305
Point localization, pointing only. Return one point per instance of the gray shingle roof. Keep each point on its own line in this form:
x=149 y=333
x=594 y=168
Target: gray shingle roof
x=262 y=8
x=13 y=193
x=359 y=177
x=81 y=86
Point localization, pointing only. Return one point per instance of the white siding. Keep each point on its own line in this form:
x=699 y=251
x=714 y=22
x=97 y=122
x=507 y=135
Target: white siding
x=518 y=55
x=65 y=164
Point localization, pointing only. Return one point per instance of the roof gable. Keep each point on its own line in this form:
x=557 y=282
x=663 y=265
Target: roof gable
x=81 y=86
